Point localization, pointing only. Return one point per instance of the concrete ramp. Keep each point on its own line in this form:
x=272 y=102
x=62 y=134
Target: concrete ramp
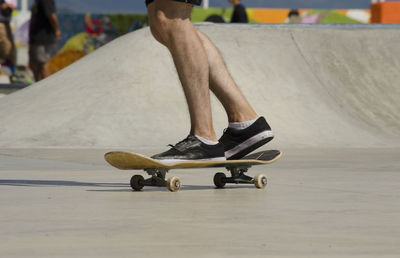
x=319 y=86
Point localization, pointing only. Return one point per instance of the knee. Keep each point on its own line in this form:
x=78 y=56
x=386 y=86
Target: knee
x=161 y=27
x=154 y=31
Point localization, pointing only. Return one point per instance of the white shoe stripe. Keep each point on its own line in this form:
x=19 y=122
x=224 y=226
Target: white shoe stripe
x=167 y=161
x=249 y=142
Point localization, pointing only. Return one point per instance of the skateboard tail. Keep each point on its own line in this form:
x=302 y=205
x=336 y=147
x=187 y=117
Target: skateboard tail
x=126 y=161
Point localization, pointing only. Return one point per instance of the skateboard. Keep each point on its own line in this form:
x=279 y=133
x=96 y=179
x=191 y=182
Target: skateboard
x=158 y=170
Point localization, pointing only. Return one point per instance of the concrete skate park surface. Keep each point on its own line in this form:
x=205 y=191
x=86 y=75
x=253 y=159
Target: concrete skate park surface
x=330 y=93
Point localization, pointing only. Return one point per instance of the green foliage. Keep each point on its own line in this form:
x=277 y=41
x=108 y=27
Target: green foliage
x=332 y=17
x=200 y=14
x=123 y=22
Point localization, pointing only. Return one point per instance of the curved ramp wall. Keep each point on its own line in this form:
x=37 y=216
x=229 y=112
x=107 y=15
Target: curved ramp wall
x=318 y=86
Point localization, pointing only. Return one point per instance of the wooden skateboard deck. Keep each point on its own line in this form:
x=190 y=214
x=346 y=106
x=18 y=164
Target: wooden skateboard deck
x=157 y=169
x=134 y=161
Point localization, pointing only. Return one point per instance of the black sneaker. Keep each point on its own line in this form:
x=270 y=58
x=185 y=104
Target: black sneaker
x=239 y=143
x=191 y=149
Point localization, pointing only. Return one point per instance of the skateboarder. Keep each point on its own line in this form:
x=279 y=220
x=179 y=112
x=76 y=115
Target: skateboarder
x=200 y=69
x=44 y=31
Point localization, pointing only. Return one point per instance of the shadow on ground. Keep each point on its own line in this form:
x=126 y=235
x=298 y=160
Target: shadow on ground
x=56 y=183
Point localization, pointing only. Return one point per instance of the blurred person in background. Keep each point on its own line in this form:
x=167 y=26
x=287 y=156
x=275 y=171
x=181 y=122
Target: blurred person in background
x=294 y=16
x=7 y=49
x=44 y=32
x=239 y=12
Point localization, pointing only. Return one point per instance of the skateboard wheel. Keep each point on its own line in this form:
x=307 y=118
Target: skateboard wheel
x=260 y=181
x=219 y=180
x=136 y=182
x=174 y=184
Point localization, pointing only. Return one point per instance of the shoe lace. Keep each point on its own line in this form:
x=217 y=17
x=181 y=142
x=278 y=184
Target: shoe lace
x=176 y=145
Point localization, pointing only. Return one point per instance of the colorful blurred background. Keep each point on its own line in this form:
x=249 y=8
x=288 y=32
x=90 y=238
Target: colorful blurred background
x=82 y=33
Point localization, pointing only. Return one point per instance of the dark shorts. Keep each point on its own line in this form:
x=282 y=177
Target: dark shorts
x=195 y=2
x=40 y=53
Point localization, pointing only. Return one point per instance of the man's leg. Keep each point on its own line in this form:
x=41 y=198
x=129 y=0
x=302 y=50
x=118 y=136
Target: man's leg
x=40 y=70
x=170 y=24
x=246 y=131
x=35 y=71
x=45 y=70
x=201 y=68
x=5 y=43
x=224 y=87
x=39 y=56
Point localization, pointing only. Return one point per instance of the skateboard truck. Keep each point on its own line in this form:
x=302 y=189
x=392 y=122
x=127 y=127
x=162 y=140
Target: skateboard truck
x=157 y=179
x=238 y=177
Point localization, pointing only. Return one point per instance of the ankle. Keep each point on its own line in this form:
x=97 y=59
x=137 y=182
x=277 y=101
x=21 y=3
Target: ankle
x=212 y=137
x=207 y=141
x=240 y=117
x=241 y=125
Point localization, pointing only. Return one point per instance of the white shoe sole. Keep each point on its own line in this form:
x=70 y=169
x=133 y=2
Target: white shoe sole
x=167 y=161
x=249 y=142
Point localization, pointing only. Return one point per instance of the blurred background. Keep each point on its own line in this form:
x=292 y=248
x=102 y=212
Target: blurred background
x=88 y=25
